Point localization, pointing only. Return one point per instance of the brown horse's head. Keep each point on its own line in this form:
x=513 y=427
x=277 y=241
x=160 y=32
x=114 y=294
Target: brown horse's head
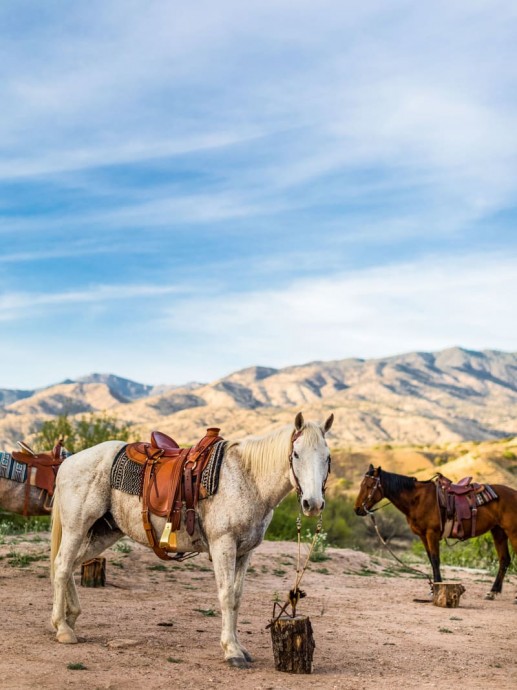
x=370 y=491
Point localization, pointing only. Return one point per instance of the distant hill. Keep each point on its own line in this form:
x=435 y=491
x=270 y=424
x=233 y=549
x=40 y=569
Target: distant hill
x=494 y=462
x=415 y=398
x=8 y=396
x=124 y=390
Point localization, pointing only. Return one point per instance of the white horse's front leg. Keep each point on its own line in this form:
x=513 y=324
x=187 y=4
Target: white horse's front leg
x=224 y=556
x=241 y=568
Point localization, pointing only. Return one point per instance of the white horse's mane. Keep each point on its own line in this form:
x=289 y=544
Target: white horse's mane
x=262 y=454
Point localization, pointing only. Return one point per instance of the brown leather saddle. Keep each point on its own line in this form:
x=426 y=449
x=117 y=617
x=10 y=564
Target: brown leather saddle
x=172 y=484
x=41 y=470
x=458 y=502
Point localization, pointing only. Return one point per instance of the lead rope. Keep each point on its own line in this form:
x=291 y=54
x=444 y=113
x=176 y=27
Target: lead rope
x=295 y=594
x=385 y=544
x=299 y=575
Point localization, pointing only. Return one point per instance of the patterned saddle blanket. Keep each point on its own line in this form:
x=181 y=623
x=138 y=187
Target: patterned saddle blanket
x=12 y=469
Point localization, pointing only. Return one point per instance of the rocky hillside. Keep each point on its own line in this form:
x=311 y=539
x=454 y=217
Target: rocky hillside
x=415 y=398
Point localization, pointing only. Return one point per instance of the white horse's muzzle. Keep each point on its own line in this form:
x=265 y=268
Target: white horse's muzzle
x=312 y=507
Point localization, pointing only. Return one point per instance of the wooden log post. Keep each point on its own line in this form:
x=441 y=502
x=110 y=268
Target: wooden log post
x=93 y=573
x=293 y=644
x=447 y=594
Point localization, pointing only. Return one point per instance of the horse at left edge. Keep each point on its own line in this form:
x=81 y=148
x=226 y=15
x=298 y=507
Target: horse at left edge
x=27 y=479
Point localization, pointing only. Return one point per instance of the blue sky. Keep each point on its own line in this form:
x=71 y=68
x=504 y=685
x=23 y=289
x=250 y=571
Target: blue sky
x=191 y=188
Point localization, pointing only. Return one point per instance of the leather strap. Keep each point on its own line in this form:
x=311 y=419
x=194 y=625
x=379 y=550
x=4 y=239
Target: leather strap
x=27 y=490
x=177 y=502
x=474 y=512
x=161 y=553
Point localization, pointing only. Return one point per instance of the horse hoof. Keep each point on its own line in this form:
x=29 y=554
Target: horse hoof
x=248 y=656
x=238 y=662
x=490 y=596
x=67 y=637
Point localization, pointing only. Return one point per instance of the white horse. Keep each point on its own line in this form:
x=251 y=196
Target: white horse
x=256 y=474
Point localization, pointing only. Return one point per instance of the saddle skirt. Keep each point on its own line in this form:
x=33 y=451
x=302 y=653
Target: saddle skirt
x=459 y=502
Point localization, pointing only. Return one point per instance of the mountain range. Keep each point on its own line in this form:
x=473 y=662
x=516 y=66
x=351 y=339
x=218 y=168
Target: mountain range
x=414 y=398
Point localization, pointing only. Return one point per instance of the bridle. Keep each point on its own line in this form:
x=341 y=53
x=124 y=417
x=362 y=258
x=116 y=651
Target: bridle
x=376 y=485
x=296 y=435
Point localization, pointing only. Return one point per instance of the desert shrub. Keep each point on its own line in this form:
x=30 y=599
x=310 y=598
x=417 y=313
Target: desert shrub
x=341 y=525
x=79 y=434
x=17 y=524
x=319 y=550
x=473 y=553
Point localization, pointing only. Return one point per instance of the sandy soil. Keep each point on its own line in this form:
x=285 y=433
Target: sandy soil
x=149 y=628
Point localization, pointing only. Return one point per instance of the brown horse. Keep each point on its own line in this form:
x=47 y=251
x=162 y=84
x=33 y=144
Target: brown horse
x=12 y=499
x=418 y=501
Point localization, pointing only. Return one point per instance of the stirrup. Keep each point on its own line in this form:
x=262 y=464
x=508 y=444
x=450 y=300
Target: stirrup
x=168 y=539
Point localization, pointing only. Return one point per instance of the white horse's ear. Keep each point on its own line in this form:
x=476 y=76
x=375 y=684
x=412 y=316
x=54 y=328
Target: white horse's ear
x=299 y=421
x=326 y=427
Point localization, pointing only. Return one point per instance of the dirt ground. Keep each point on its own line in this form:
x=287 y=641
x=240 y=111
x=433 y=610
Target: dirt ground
x=158 y=626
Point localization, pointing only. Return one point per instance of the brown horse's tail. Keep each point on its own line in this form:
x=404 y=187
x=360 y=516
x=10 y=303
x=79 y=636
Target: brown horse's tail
x=56 y=533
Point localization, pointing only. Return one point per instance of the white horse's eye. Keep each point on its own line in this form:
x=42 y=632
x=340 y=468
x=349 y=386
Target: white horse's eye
x=295 y=455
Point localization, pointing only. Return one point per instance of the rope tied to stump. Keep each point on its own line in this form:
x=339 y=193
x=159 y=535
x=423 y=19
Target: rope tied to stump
x=295 y=593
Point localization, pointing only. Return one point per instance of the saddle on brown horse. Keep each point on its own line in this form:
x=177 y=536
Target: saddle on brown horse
x=172 y=484
x=460 y=502
x=41 y=471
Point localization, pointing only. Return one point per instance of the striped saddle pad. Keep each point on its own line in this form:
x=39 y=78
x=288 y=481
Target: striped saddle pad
x=11 y=469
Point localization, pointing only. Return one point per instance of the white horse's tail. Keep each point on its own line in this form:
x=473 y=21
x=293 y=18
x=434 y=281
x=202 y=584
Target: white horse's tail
x=56 y=533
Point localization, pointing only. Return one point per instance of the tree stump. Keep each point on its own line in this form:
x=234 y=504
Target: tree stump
x=93 y=573
x=447 y=594
x=293 y=644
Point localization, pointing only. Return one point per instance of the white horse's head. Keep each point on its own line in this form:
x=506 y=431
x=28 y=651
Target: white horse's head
x=310 y=463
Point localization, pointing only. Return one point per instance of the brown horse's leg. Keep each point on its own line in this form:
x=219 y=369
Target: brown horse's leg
x=431 y=540
x=512 y=536
x=501 y=546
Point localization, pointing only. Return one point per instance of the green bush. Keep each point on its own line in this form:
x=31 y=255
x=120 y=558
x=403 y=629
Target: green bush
x=341 y=525
x=17 y=524
x=474 y=553
x=79 y=434
x=319 y=548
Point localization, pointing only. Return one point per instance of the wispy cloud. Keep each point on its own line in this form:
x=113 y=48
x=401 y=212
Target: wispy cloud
x=16 y=306
x=119 y=153
x=422 y=305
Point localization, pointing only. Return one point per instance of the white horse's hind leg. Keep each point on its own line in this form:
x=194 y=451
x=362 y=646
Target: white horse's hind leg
x=224 y=552
x=65 y=594
x=73 y=607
